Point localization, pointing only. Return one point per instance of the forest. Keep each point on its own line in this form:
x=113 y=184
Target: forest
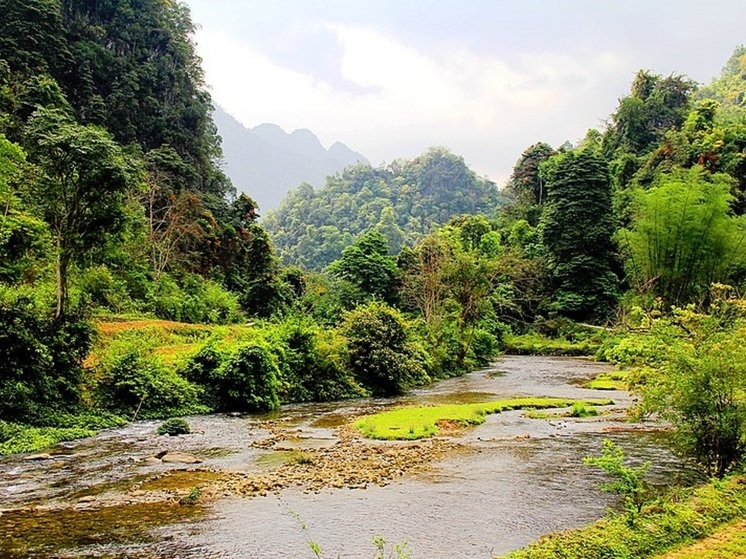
x=137 y=282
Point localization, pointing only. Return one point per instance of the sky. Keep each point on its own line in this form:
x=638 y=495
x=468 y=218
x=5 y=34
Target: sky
x=484 y=78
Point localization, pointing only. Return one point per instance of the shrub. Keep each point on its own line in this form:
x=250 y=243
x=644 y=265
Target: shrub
x=626 y=481
x=100 y=289
x=484 y=347
x=139 y=385
x=380 y=353
x=248 y=381
x=312 y=364
x=196 y=300
x=245 y=380
x=174 y=426
x=41 y=359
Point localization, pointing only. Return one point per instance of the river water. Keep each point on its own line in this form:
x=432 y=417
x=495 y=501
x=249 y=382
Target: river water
x=520 y=478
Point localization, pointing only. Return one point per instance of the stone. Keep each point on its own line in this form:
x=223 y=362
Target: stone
x=87 y=499
x=34 y=457
x=180 y=458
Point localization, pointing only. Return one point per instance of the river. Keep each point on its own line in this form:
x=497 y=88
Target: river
x=518 y=479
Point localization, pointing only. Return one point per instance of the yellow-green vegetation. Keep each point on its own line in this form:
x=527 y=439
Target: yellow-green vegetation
x=16 y=438
x=680 y=519
x=616 y=380
x=727 y=543
x=536 y=344
x=424 y=421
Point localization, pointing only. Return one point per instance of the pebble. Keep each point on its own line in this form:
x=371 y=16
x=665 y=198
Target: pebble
x=34 y=457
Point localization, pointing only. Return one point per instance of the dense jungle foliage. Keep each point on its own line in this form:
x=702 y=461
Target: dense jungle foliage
x=135 y=282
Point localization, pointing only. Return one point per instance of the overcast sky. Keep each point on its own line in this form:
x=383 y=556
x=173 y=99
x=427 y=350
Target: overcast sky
x=485 y=78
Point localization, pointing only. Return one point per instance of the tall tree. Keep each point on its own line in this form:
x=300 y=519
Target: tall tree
x=526 y=183
x=577 y=229
x=80 y=193
x=368 y=267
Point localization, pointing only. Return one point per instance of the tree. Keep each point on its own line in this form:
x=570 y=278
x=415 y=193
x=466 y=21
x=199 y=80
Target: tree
x=577 y=229
x=368 y=267
x=656 y=105
x=696 y=380
x=683 y=236
x=527 y=183
x=81 y=189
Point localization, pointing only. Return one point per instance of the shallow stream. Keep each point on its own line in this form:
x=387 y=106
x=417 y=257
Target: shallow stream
x=518 y=478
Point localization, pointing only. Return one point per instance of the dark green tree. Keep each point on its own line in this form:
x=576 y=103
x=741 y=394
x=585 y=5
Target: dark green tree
x=380 y=353
x=577 y=229
x=526 y=183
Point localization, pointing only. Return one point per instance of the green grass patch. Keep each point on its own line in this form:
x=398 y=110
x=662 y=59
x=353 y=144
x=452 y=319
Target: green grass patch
x=21 y=438
x=616 y=380
x=422 y=421
x=682 y=518
x=53 y=428
x=727 y=543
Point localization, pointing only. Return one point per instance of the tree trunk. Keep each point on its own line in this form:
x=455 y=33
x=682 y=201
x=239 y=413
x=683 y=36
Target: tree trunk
x=61 y=280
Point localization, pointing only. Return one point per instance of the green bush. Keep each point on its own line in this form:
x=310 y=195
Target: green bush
x=174 y=426
x=380 y=352
x=139 y=385
x=245 y=379
x=41 y=359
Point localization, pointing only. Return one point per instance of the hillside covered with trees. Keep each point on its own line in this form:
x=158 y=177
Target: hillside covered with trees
x=404 y=201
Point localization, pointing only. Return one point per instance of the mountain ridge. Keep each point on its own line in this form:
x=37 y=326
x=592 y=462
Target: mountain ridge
x=265 y=161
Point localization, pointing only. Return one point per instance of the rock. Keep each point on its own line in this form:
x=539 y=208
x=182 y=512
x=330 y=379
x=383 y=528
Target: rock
x=38 y=457
x=87 y=499
x=139 y=493
x=180 y=458
x=152 y=460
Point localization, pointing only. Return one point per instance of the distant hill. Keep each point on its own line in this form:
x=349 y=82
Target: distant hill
x=265 y=162
x=403 y=200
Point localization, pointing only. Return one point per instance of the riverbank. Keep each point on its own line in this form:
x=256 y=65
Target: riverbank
x=683 y=517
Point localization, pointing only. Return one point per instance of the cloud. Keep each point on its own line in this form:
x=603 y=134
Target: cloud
x=390 y=99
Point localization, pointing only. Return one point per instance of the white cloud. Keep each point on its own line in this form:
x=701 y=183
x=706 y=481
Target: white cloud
x=409 y=100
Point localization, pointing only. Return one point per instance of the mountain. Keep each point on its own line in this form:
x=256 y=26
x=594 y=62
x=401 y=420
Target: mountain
x=265 y=162
x=404 y=201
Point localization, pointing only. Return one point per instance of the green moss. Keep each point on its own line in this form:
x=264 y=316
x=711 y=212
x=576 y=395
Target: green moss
x=681 y=519
x=420 y=422
x=609 y=381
